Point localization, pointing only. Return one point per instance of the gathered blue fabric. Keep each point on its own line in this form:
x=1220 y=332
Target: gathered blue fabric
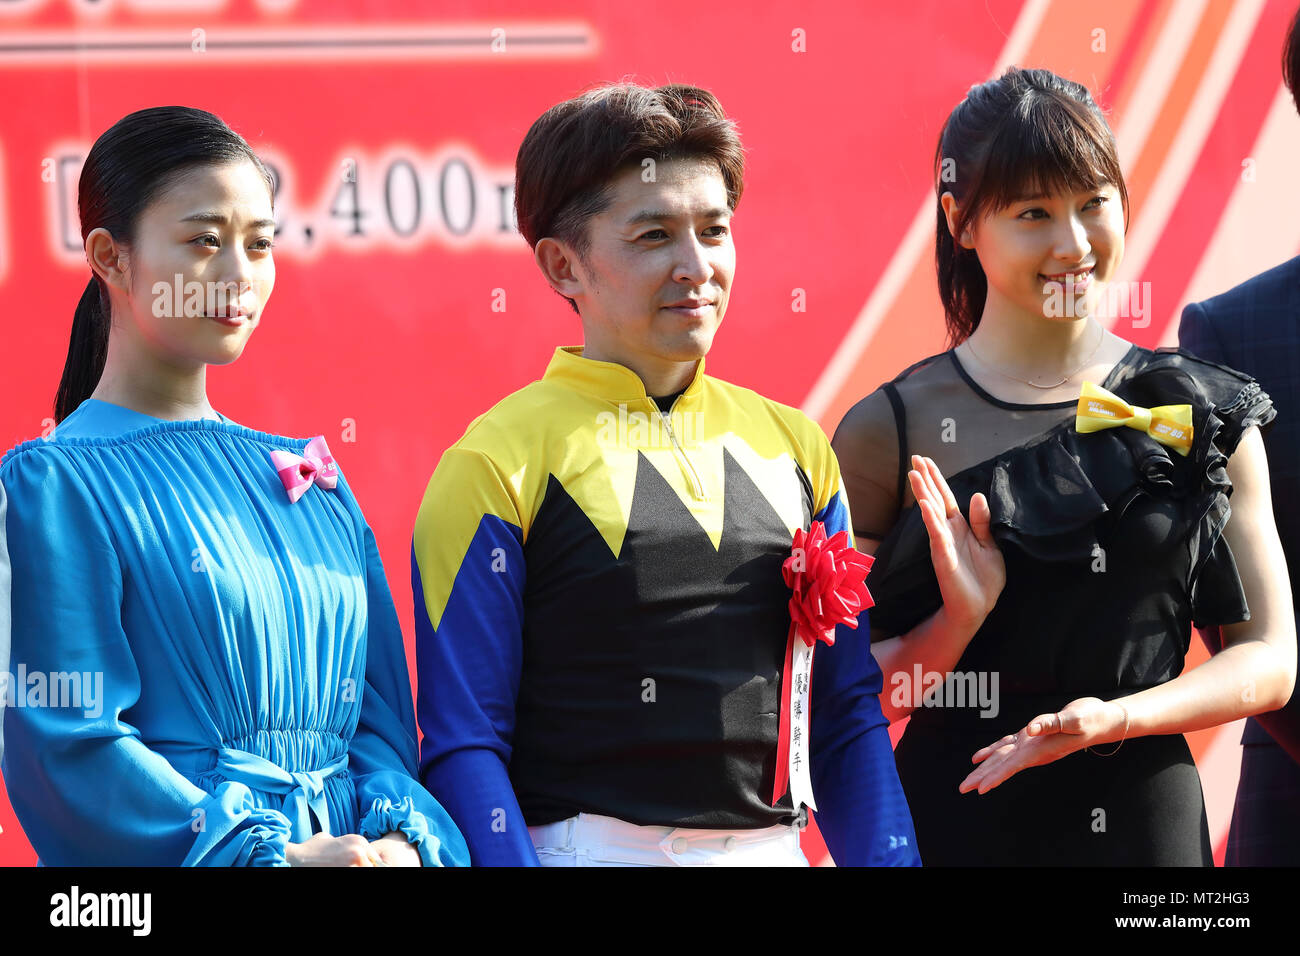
x=241 y=671
x=4 y=617
x=304 y=791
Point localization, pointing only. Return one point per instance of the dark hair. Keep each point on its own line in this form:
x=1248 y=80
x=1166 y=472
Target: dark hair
x=565 y=163
x=1291 y=60
x=1029 y=132
x=130 y=165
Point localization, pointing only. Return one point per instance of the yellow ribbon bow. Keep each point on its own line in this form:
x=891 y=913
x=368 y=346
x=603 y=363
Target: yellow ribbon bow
x=1168 y=424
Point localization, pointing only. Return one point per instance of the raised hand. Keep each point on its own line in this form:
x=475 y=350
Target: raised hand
x=966 y=558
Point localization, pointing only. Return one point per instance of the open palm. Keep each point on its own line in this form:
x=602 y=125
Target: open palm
x=966 y=557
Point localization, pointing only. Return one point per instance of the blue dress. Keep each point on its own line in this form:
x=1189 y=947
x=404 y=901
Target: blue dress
x=202 y=671
x=4 y=619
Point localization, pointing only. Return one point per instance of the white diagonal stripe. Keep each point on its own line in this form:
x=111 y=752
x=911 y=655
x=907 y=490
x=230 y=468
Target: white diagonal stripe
x=914 y=245
x=1153 y=216
x=1152 y=87
x=1260 y=226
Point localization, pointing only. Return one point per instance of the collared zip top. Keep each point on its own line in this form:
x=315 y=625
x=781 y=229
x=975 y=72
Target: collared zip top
x=697 y=486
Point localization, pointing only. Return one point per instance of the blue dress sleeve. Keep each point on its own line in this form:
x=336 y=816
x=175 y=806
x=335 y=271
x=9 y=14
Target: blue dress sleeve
x=467 y=575
x=383 y=751
x=862 y=811
x=4 y=621
x=86 y=789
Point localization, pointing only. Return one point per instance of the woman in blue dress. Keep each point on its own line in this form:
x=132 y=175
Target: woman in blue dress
x=207 y=663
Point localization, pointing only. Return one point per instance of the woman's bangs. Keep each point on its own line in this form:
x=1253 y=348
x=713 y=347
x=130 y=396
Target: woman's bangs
x=1050 y=145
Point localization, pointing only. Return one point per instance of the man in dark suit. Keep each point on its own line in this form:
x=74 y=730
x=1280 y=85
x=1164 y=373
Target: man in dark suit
x=1255 y=328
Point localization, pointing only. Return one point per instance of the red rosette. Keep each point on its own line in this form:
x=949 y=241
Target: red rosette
x=828 y=578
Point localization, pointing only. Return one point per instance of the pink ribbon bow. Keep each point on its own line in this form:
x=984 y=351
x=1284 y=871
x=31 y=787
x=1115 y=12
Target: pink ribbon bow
x=300 y=472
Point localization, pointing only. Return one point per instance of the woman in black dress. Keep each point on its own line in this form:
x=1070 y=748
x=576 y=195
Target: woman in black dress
x=1113 y=543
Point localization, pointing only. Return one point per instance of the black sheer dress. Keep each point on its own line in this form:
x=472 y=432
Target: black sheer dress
x=1114 y=549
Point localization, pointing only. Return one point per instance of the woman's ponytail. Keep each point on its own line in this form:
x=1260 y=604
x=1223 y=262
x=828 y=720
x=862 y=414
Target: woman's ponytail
x=963 y=286
x=87 y=350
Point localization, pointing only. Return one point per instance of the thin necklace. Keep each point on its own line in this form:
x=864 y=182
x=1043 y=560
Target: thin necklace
x=1032 y=384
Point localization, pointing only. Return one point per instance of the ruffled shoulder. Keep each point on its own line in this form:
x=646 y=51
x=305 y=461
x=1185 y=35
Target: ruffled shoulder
x=1047 y=495
x=1233 y=400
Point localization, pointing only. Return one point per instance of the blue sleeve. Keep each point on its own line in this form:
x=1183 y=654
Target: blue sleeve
x=1196 y=334
x=86 y=789
x=4 y=621
x=383 y=751
x=862 y=811
x=467 y=576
